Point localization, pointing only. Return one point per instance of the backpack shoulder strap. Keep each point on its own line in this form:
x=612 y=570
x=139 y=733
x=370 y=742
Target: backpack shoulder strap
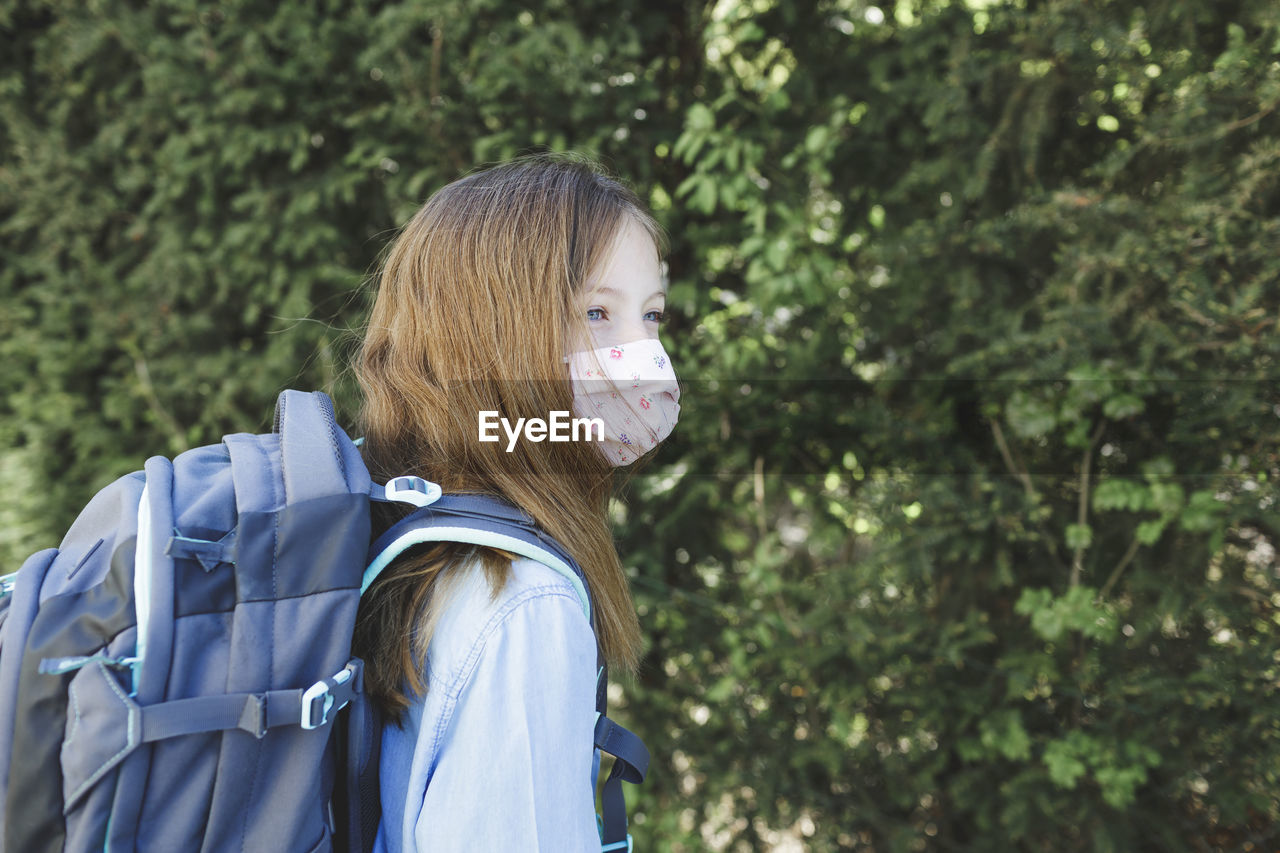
x=478 y=520
x=630 y=764
x=485 y=520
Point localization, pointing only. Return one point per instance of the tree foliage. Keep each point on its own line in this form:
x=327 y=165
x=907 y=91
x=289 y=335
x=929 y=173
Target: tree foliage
x=967 y=536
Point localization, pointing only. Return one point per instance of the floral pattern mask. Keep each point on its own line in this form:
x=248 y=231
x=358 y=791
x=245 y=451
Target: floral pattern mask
x=632 y=388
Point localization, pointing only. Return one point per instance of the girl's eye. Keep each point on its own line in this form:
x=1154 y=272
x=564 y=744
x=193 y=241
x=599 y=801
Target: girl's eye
x=655 y=316
x=595 y=313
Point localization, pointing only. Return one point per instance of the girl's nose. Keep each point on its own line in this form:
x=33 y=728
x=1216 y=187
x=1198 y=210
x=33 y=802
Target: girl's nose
x=638 y=331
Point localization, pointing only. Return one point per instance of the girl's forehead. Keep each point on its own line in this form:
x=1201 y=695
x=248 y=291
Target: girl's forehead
x=631 y=266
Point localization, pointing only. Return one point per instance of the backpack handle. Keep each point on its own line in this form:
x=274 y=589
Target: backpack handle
x=318 y=458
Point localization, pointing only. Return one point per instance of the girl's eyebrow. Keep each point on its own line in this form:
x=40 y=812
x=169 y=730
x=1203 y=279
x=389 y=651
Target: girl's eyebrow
x=615 y=292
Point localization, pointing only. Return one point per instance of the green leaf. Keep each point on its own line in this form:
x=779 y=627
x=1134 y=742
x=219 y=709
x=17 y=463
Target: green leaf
x=816 y=140
x=1029 y=417
x=1079 y=536
x=1065 y=766
x=699 y=119
x=1202 y=513
x=1149 y=531
x=1123 y=406
x=704 y=197
x=1003 y=732
x=1120 y=493
x=1167 y=498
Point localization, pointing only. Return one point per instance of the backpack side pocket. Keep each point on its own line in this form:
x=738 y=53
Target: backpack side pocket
x=103 y=727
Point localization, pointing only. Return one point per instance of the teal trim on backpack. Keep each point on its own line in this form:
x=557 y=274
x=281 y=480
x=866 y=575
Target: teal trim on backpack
x=476 y=537
x=142 y=570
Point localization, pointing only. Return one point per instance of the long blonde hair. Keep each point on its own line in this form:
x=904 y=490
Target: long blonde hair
x=475 y=310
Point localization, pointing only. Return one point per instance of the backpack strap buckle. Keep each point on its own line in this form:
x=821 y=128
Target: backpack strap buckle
x=330 y=695
x=407 y=489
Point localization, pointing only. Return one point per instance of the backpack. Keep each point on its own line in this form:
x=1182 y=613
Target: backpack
x=172 y=675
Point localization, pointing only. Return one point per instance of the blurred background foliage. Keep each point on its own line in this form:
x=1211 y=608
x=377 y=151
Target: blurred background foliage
x=967 y=538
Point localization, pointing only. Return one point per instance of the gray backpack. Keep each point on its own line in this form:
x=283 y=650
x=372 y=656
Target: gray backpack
x=171 y=675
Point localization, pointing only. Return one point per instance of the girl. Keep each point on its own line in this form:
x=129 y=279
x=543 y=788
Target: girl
x=524 y=290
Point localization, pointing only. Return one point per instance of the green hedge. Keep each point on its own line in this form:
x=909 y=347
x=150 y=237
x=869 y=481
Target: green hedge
x=966 y=540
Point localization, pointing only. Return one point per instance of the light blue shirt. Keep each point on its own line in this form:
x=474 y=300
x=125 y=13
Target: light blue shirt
x=499 y=754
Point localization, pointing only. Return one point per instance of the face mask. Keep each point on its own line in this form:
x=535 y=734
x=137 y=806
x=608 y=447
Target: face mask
x=632 y=388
